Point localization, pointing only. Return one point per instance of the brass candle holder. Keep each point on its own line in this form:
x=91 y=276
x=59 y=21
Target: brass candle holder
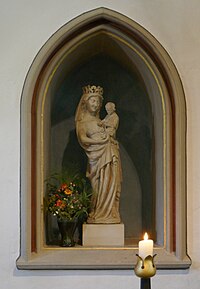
x=145 y=269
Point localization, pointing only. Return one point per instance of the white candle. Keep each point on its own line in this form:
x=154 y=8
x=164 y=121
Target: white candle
x=145 y=247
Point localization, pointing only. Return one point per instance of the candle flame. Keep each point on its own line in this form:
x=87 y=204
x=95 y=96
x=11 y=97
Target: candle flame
x=146 y=236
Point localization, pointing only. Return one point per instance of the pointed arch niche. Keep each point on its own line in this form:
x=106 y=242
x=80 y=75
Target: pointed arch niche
x=105 y=48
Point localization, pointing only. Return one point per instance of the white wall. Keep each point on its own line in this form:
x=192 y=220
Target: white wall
x=25 y=25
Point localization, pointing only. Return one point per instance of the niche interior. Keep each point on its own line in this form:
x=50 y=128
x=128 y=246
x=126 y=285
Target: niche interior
x=105 y=48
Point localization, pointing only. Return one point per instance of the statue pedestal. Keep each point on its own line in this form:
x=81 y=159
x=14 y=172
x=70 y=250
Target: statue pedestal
x=103 y=234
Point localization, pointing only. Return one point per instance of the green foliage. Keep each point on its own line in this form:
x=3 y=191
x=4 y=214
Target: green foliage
x=68 y=195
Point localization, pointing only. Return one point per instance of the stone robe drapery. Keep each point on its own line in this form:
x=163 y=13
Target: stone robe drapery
x=104 y=172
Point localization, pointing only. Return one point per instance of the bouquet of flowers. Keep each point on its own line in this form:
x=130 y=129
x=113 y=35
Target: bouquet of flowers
x=68 y=196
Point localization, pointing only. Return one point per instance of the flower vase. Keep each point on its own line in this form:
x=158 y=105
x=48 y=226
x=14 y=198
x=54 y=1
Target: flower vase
x=81 y=220
x=67 y=229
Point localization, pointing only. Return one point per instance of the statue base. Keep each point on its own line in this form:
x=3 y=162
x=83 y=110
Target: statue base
x=103 y=234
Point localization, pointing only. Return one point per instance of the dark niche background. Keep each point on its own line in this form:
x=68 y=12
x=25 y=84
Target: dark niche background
x=135 y=133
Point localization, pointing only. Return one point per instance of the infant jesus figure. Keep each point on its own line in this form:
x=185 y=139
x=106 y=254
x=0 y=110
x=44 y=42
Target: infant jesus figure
x=111 y=122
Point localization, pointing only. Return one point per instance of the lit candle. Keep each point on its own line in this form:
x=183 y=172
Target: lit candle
x=145 y=247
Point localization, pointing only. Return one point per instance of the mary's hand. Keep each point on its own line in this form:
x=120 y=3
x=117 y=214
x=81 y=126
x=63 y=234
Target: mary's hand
x=89 y=141
x=104 y=139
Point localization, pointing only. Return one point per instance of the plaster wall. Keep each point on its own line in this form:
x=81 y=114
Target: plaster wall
x=25 y=25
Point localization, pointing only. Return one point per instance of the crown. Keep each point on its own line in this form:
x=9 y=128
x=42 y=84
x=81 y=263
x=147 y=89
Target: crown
x=93 y=89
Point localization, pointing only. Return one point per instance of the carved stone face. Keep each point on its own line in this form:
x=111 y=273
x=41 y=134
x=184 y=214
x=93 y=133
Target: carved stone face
x=110 y=107
x=93 y=104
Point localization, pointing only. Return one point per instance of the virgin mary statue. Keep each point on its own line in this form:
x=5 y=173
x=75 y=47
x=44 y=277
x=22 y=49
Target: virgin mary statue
x=104 y=168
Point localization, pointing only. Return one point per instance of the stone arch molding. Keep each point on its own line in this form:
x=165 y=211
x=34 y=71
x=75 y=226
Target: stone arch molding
x=167 y=99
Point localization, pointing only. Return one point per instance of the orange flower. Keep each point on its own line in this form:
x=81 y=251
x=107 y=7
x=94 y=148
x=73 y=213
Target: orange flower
x=68 y=192
x=60 y=204
x=63 y=187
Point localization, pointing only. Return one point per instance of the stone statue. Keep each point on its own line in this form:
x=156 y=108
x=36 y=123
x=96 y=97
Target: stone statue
x=111 y=121
x=98 y=139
